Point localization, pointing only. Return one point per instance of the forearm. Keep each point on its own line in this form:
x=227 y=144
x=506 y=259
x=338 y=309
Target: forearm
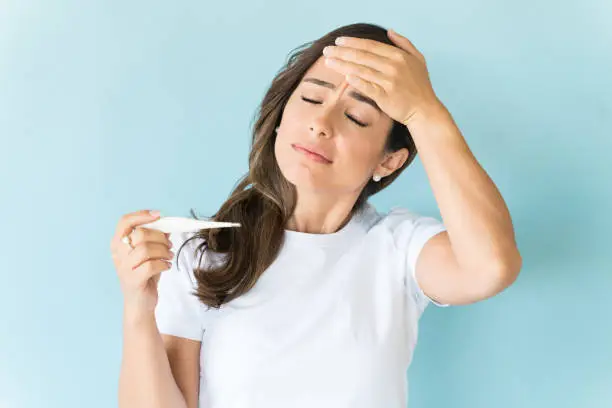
x=474 y=212
x=146 y=379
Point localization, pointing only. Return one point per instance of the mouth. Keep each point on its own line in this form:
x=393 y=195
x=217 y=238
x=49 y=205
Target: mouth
x=312 y=155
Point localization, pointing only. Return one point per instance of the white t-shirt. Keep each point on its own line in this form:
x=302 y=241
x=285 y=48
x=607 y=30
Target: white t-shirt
x=331 y=323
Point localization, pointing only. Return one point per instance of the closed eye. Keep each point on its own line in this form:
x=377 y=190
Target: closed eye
x=360 y=124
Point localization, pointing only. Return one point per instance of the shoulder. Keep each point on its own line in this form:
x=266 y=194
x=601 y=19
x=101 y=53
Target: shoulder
x=189 y=250
x=185 y=238
x=400 y=215
x=178 y=311
x=398 y=219
x=404 y=229
x=404 y=221
x=192 y=252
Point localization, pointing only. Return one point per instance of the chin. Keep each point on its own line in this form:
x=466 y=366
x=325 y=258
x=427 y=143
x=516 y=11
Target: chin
x=301 y=176
x=303 y=172
x=304 y=178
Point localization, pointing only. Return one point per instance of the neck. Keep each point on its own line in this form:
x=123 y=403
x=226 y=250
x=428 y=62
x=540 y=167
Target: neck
x=317 y=215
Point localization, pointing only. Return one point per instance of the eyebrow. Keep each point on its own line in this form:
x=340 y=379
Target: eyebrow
x=352 y=94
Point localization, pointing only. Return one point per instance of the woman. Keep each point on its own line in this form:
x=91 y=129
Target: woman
x=315 y=299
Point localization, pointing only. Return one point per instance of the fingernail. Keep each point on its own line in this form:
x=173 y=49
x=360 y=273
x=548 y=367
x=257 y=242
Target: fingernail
x=155 y=213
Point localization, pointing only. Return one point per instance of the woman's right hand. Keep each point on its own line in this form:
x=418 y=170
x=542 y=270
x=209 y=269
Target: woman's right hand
x=139 y=268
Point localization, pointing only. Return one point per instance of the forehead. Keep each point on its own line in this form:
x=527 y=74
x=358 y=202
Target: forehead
x=322 y=71
x=320 y=74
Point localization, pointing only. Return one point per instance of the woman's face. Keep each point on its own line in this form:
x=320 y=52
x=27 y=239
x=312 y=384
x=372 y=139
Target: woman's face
x=321 y=115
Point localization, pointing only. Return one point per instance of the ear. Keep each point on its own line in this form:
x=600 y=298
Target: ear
x=392 y=161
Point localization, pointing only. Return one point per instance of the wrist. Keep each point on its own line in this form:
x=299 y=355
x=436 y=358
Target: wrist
x=430 y=112
x=431 y=120
x=135 y=316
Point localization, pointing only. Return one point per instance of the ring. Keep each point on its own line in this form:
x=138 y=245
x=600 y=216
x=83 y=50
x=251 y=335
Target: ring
x=127 y=240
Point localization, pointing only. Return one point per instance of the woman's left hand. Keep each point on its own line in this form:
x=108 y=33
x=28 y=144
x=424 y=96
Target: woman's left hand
x=395 y=78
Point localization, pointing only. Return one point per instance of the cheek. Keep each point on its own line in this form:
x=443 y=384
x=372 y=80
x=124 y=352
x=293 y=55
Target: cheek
x=293 y=111
x=355 y=165
x=283 y=141
x=278 y=153
x=360 y=157
x=283 y=153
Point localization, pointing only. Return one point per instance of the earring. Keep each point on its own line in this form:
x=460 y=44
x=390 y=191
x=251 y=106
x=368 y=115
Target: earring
x=376 y=178
x=276 y=130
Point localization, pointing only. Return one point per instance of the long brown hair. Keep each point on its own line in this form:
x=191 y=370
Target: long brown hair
x=263 y=200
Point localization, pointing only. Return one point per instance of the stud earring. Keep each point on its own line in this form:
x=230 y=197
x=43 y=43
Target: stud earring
x=376 y=178
x=276 y=130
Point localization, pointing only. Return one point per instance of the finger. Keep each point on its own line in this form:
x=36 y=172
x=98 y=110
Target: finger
x=152 y=269
x=146 y=252
x=372 y=46
x=366 y=73
x=156 y=277
x=361 y=57
x=367 y=88
x=141 y=235
x=130 y=221
x=405 y=44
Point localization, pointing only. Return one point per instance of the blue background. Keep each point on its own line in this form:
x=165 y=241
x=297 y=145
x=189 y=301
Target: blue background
x=109 y=107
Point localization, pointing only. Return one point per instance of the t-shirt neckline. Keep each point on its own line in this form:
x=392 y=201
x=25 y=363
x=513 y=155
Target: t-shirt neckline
x=306 y=238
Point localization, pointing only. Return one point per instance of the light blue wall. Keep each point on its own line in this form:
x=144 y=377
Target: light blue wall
x=108 y=107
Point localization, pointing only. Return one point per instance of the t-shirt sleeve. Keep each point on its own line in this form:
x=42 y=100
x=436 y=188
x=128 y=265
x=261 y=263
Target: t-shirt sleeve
x=179 y=312
x=411 y=232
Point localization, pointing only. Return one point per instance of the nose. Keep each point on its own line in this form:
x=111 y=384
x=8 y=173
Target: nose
x=322 y=123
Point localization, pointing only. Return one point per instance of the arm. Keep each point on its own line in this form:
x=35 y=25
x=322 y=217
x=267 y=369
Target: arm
x=150 y=364
x=184 y=357
x=477 y=257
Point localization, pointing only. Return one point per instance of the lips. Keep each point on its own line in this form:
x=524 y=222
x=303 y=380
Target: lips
x=313 y=152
